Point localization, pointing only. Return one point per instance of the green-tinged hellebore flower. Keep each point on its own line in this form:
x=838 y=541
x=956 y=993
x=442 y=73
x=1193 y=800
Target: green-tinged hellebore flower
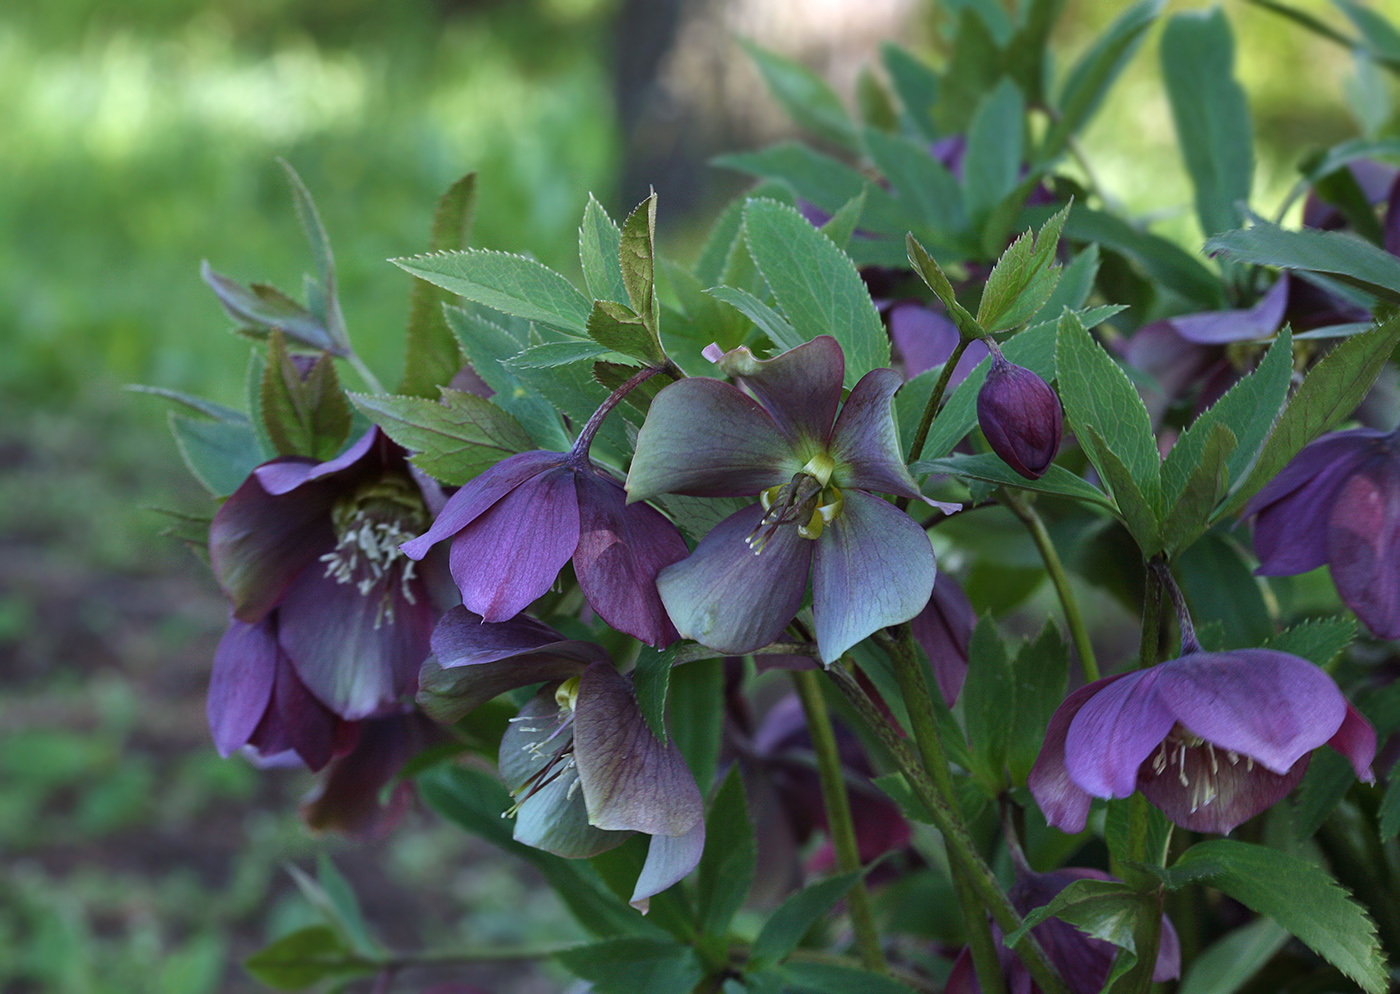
x=778 y=436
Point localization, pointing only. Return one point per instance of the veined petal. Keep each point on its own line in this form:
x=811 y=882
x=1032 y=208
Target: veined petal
x=631 y=782
x=729 y=598
x=873 y=567
x=1356 y=740
x=621 y=549
x=284 y=475
x=1064 y=803
x=800 y=388
x=510 y=555
x=669 y=859
x=240 y=687
x=480 y=493
x=705 y=438
x=865 y=441
x=1271 y=706
x=1363 y=543
x=1114 y=731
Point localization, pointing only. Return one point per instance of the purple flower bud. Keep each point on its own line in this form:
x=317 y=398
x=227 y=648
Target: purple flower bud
x=1021 y=417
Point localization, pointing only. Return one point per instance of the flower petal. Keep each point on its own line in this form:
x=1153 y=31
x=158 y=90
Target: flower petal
x=348 y=798
x=296 y=720
x=511 y=554
x=1204 y=791
x=705 y=438
x=943 y=630
x=865 y=441
x=1363 y=544
x=800 y=388
x=1114 y=731
x=874 y=567
x=621 y=549
x=726 y=597
x=630 y=780
x=1356 y=740
x=1271 y=706
x=669 y=859
x=240 y=686
x=1063 y=802
x=1223 y=327
x=284 y=475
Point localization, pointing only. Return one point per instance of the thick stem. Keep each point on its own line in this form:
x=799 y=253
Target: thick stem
x=935 y=400
x=1023 y=509
x=840 y=825
x=1189 y=644
x=579 y=453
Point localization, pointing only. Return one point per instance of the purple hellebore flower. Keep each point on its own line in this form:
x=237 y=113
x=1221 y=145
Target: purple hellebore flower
x=816 y=474
x=1082 y=961
x=515 y=526
x=1021 y=417
x=347 y=799
x=943 y=630
x=1211 y=738
x=1338 y=502
x=308 y=554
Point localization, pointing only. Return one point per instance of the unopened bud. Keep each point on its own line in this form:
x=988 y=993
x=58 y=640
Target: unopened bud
x=1021 y=417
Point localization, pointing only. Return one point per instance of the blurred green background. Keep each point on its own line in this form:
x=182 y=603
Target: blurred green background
x=140 y=138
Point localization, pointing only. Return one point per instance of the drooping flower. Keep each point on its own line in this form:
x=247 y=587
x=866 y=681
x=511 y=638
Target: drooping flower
x=308 y=554
x=943 y=630
x=515 y=526
x=1210 y=738
x=1082 y=961
x=1021 y=416
x=351 y=797
x=1338 y=503
x=816 y=475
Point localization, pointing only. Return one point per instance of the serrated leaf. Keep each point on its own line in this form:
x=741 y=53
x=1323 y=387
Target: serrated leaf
x=816 y=285
x=988 y=696
x=1163 y=261
x=452 y=441
x=553 y=354
x=261 y=308
x=1320 y=640
x=650 y=679
x=924 y=185
x=1023 y=278
x=842 y=225
x=599 y=242
x=1302 y=898
x=1137 y=511
x=1057 y=481
x=1342 y=256
x=806 y=97
x=305 y=957
x=1188 y=512
x=509 y=283
x=325 y=303
x=770 y=322
x=304 y=416
x=1330 y=392
x=431 y=355
x=794 y=918
x=1040 y=673
x=617 y=328
x=1326 y=782
x=995 y=149
x=631 y=964
x=728 y=864
x=1211 y=115
x=937 y=281
x=637 y=252
x=220 y=454
x=1108 y=910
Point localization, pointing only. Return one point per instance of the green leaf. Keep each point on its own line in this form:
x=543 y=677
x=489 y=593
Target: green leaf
x=305 y=957
x=1326 y=782
x=637 y=253
x=220 y=454
x=454 y=440
x=199 y=405
x=1027 y=52
x=995 y=149
x=1210 y=114
x=925 y=186
x=650 y=679
x=816 y=285
x=1057 y=481
x=553 y=354
x=1137 y=511
x=1389 y=812
x=1023 y=278
x=1094 y=74
x=1106 y=412
x=1319 y=640
x=328 y=310
x=1040 y=673
x=303 y=417
x=807 y=98
x=770 y=322
x=988 y=696
x=1118 y=831
x=1330 y=392
x=1217 y=577
x=1164 y=262
x=332 y=896
x=696 y=693
x=842 y=225
x=1345 y=257
x=937 y=281
x=728 y=864
x=1225 y=966
x=794 y=918
x=975 y=66
x=509 y=283
x=617 y=328
x=1302 y=898
x=1108 y=910
x=259 y=308
x=1188 y=512
x=431 y=355
x=916 y=85
x=599 y=245
x=810 y=977
x=629 y=965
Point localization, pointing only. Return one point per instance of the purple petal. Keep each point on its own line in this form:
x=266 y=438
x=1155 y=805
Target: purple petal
x=621 y=549
x=240 y=686
x=874 y=567
x=296 y=720
x=669 y=859
x=479 y=494
x=1064 y=803
x=943 y=630
x=348 y=798
x=926 y=337
x=509 y=556
x=1363 y=544
x=1206 y=791
x=800 y=388
x=705 y=438
x=631 y=782
x=284 y=475
x=357 y=652
x=865 y=441
x=1222 y=327
x=1356 y=740
x=1271 y=706
x=1114 y=731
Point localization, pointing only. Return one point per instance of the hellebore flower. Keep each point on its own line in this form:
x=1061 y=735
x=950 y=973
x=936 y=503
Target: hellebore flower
x=308 y=554
x=1338 y=502
x=347 y=799
x=1021 y=417
x=1211 y=738
x=1082 y=961
x=816 y=475
x=943 y=630
x=515 y=526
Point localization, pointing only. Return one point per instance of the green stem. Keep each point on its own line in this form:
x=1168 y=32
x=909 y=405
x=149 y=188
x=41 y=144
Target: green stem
x=935 y=399
x=1023 y=509
x=1151 y=621
x=840 y=825
x=962 y=852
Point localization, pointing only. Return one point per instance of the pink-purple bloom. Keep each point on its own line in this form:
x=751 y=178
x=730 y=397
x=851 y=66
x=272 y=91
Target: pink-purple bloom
x=1021 y=417
x=1338 y=503
x=1210 y=738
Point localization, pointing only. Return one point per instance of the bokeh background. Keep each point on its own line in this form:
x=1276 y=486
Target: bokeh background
x=140 y=138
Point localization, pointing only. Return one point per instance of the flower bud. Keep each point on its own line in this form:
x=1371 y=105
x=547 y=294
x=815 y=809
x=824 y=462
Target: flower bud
x=1021 y=417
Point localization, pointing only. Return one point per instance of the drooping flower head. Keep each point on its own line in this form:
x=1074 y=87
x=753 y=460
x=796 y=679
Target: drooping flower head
x=1210 y=738
x=1338 y=503
x=308 y=554
x=778 y=436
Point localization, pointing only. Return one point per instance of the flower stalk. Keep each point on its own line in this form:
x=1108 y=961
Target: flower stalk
x=935 y=399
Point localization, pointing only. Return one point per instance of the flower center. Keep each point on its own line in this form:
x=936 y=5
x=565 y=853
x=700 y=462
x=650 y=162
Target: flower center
x=808 y=500
x=556 y=759
x=370 y=524
x=1182 y=752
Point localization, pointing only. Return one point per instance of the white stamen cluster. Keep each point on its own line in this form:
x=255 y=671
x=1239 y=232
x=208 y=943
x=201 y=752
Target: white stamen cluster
x=1172 y=752
x=364 y=555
